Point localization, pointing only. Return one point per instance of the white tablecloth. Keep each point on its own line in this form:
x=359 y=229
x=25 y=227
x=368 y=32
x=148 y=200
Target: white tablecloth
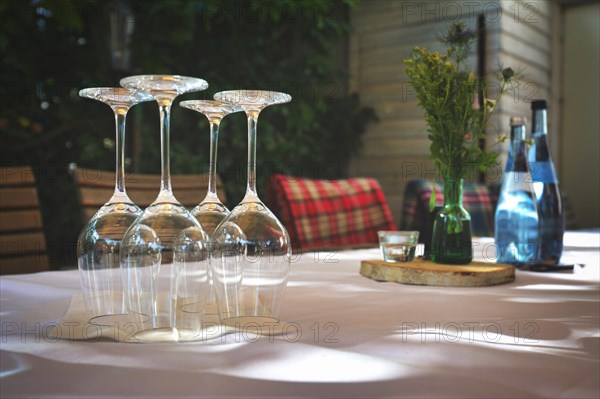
x=346 y=336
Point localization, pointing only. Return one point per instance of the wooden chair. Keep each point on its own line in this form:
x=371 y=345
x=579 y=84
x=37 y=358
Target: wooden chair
x=96 y=187
x=22 y=239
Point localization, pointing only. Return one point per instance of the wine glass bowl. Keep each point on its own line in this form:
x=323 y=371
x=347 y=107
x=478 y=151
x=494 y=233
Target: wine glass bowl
x=251 y=254
x=99 y=243
x=214 y=110
x=253 y=100
x=164 y=87
x=116 y=97
x=251 y=249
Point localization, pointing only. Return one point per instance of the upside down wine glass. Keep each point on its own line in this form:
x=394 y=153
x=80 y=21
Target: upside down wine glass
x=164 y=258
x=99 y=242
x=251 y=249
x=211 y=211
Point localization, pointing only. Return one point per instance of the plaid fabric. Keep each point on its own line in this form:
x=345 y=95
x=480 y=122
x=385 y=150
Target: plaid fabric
x=326 y=214
x=479 y=200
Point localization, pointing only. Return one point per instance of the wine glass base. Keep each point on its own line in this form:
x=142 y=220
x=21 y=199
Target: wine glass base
x=111 y=320
x=167 y=334
x=249 y=321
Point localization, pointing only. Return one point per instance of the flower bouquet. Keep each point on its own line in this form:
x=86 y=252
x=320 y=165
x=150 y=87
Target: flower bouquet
x=457 y=112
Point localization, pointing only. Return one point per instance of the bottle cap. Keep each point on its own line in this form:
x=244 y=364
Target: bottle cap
x=518 y=120
x=538 y=104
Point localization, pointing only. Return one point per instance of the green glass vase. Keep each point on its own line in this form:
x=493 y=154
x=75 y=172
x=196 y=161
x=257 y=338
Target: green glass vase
x=451 y=240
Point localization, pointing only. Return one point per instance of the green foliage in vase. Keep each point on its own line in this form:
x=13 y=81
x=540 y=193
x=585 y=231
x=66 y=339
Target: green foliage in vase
x=449 y=93
x=50 y=49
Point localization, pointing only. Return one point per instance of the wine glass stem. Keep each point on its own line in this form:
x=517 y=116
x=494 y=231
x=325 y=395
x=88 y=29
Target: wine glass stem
x=251 y=194
x=119 y=194
x=165 y=120
x=212 y=166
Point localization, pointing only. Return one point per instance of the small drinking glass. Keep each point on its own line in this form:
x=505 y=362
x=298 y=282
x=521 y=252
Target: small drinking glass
x=398 y=246
x=165 y=236
x=99 y=242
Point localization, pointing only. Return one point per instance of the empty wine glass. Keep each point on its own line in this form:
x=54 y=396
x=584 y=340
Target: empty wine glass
x=166 y=304
x=210 y=212
x=251 y=250
x=100 y=239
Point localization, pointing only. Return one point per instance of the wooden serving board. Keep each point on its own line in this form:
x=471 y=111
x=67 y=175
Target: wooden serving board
x=423 y=272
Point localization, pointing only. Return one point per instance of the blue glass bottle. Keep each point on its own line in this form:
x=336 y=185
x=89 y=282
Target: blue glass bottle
x=516 y=224
x=546 y=188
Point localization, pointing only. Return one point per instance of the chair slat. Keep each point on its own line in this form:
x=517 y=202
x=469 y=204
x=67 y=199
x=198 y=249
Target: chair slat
x=16 y=176
x=189 y=198
x=18 y=198
x=20 y=220
x=102 y=178
x=95 y=196
x=96 y=187
x=24 y=264
x=22 y=243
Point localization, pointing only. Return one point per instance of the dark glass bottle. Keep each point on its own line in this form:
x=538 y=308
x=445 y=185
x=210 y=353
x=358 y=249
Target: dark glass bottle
x=451 y=241
x=545 y=185
x=516 y=221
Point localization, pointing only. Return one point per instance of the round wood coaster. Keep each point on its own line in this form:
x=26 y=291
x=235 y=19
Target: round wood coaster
x=423 y=272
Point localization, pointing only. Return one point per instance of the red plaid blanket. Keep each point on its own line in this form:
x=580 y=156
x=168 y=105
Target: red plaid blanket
x=330 y=214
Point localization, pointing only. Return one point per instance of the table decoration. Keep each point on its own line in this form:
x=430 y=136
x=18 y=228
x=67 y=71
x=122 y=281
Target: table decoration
x=250 y=250
x=457 y=112
x=424 y=272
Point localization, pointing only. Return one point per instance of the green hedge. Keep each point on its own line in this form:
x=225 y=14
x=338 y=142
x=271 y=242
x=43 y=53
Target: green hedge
x=51 y=49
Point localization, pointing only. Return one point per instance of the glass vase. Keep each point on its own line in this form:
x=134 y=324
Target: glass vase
x=451 y=241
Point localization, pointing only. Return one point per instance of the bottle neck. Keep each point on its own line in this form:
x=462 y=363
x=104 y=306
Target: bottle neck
x=539 y=122
x=517 y=160
x=453 y=191
x=518 y=156
x=539 y=151
x=518 y=132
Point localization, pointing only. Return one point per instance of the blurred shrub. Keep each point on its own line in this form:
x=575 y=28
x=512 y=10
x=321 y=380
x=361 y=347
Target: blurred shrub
x=51 y=49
